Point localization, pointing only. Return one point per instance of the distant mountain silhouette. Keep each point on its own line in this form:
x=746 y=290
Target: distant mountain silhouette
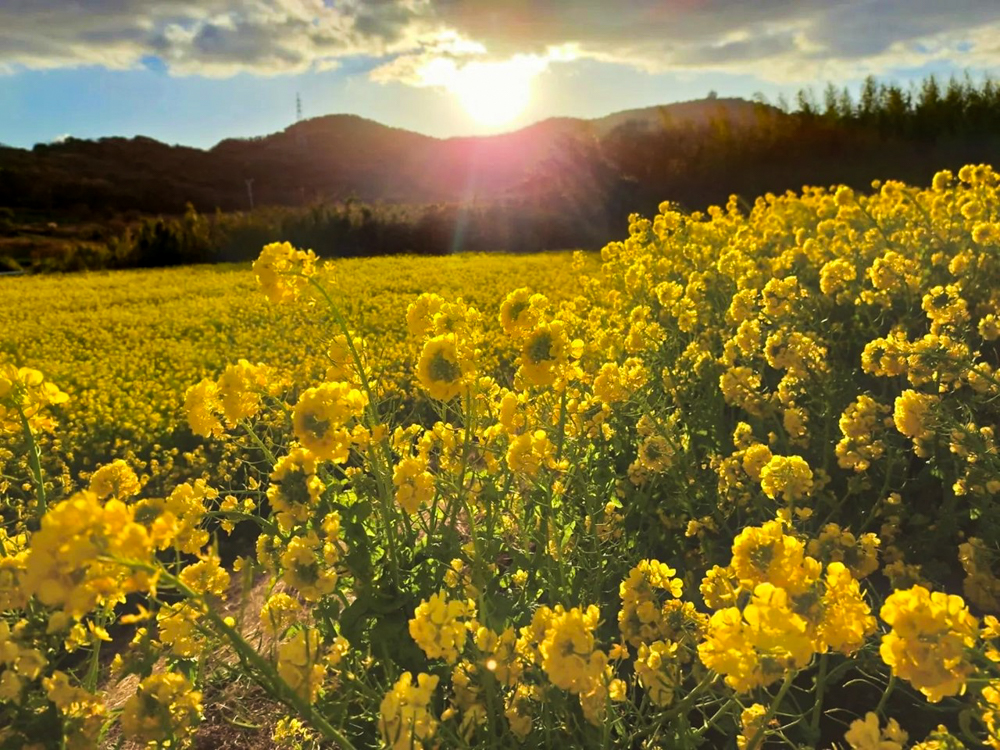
x=338 y=156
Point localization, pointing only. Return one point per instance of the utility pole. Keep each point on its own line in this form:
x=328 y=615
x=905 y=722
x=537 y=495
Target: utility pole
x=249 y=182
x=298 y=107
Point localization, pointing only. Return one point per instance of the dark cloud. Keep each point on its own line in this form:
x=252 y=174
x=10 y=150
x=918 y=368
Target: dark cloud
x=779 y=39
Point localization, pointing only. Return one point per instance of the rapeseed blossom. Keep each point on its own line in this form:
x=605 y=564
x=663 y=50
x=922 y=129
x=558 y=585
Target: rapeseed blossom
x=931 y=632
x=440 y=627
x=405 y=719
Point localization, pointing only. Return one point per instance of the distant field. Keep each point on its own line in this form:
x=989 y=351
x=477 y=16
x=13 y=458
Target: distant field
x=126 y=344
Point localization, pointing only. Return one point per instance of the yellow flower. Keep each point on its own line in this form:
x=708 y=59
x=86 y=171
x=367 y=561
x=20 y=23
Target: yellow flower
x=616 y=383
x=847 y=619
x=115 y=480
x=860 y=425
x=720 y=587
x=656 y=670
x=25 y=392
x=990 y=711
x=759 y=645
x=928 y=641
x=835 y=277
x=420 y=313
x=282 y=271
x=300 y=664
x=441 y=370
x=295 y=489
x=835 y=544
x=414 y=484
x=765 y=554
x=201 y=404
x=405 y=721
x=544 y=351
x=320 y=418
x=529 y=452
x=755 y=458
x=989 y=327
x=292 y=733
x=206 y=577
x=913 y=416
x=83 y=713
x=865 y=734
x=567 y=649
x=177 y=624
x=440 y=626
x=655 y=455
x=306 y=567
x=939 y=739
x=751 y=724
x=788 y=477
x=63 y=567
x=517 y=313
x=165 y=706
x=239 y=390
x=343 y=365
x=644 y=595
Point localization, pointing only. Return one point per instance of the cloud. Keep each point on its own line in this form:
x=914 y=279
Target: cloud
x=209 y=37
x=779 y=40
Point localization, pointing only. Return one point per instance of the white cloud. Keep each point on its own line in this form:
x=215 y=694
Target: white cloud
x=780 y=40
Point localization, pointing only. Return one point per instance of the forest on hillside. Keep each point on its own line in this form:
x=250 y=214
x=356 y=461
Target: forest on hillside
x=359 y=188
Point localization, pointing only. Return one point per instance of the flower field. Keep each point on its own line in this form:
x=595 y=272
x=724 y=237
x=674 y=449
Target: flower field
x=125 y=346
x=733 y=487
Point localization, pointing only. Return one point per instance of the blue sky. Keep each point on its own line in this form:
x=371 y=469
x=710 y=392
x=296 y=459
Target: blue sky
x=196 y=72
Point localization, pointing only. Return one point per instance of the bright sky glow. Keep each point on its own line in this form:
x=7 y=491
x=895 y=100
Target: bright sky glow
x=494 y=93
x=197 y=72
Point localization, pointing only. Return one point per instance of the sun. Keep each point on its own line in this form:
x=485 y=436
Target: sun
x=495 y=93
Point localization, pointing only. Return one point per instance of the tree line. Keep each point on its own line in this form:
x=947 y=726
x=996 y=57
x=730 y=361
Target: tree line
x=581 y=195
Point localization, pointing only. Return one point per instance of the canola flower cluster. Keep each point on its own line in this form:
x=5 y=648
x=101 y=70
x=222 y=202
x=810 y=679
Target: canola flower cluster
x=722 y=494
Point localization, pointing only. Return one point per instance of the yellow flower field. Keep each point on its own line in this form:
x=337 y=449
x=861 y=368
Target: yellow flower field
x=126 y=345
x=736 y=487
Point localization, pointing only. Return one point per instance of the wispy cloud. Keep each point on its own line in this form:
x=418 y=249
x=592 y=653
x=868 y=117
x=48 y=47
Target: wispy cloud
x=783 y=40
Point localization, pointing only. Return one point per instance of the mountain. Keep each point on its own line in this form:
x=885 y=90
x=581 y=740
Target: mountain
x=334 y=157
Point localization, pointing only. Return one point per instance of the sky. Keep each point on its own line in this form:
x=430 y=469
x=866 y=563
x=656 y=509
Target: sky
x=196 y=71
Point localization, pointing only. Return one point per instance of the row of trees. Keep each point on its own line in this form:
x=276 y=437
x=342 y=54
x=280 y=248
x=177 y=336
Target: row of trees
x=930 y=110
x=888 y=132
x=333 y=230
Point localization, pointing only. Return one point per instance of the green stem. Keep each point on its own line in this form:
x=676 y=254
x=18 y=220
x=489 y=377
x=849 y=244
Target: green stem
x=93 y=669
x=463 y=498
x=259 y=443
x=562 y=423
x=758 y=736
x=383 y=470
x=885 y=696
x=34 y=459
x=820 y=689
x=711 y=722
